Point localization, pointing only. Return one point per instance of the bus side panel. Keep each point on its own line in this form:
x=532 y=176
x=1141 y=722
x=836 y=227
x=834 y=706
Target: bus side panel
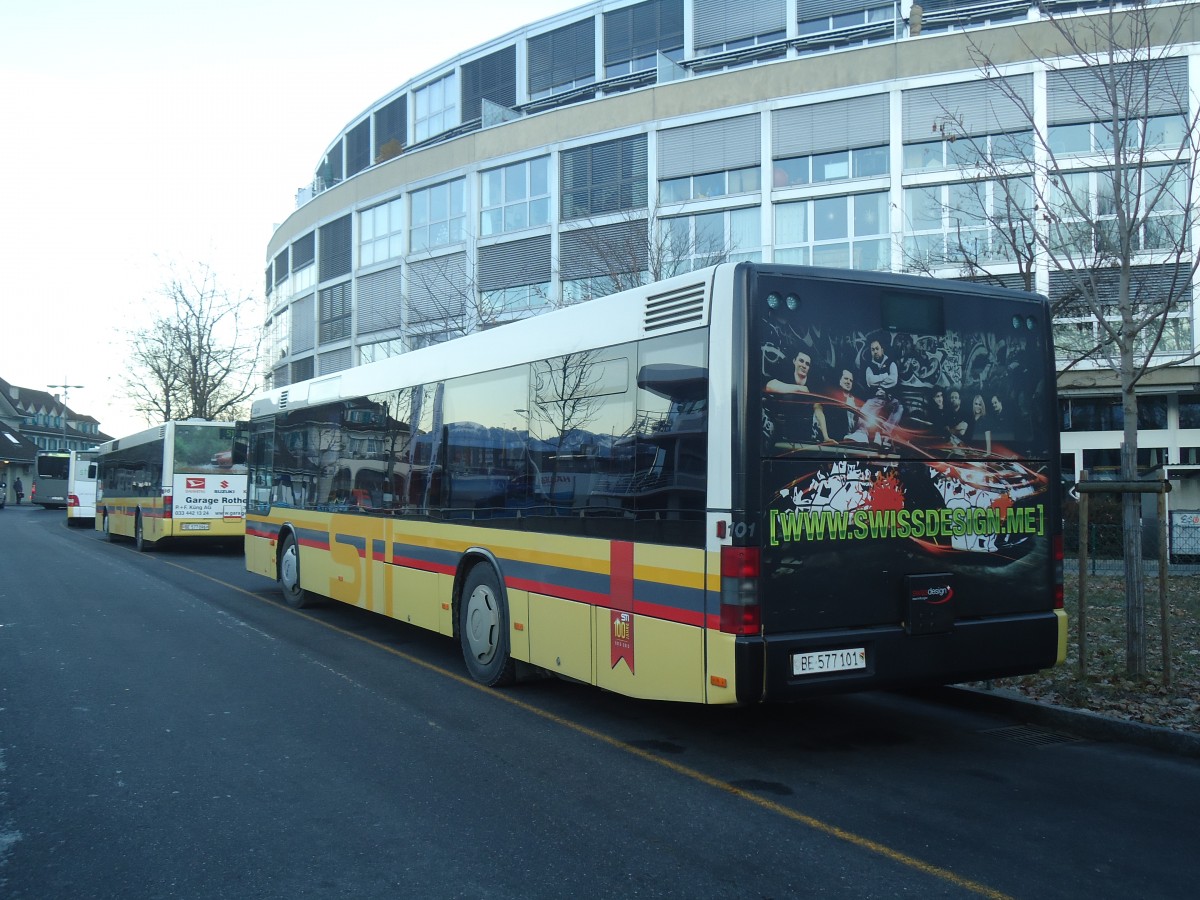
x=518 y=624
x=670 y=665
x=260 y=549
x=349 y=575
x=415 y=598
x=720 y=651
x=121 y=515
x=560 y=636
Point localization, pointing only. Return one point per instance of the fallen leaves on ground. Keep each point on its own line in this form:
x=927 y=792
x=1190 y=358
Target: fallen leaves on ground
x=1107 y=689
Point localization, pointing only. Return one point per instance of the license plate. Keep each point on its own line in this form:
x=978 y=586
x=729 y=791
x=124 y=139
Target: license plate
x=194 y=526
x=821 y=661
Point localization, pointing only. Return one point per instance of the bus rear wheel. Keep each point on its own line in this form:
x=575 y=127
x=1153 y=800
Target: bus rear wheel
x=483 y=629
x=289 y=575
x=139 y=539
x=108 y=535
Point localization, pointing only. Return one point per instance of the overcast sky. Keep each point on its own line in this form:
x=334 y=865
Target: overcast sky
x=137 y=134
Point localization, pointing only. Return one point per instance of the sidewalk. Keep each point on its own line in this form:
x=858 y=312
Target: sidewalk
x=1081 y=722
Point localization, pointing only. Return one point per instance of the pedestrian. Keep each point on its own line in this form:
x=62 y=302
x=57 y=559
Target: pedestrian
x=19 y=489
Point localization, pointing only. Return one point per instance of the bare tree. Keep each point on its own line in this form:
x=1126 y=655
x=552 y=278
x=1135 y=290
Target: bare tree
x=199 y=359
x=1099 y=192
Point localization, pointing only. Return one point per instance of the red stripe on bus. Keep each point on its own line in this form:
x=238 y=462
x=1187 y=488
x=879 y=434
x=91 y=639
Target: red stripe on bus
x=422 y=565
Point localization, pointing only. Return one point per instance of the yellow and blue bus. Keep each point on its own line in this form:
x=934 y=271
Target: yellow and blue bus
x=750 y=483
x=176 y=480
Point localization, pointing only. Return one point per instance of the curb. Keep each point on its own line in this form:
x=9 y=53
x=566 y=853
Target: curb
x=1082 y=722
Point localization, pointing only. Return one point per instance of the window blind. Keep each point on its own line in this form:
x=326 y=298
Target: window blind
x=562 y=56
x=709 y=147
x=437 y=288
x=515 y=263
x=379 y=300
x=1153 y=87
x=719 y=21
x=986 y=106
x=824 y=127
x=303 y=327
x=614 y=249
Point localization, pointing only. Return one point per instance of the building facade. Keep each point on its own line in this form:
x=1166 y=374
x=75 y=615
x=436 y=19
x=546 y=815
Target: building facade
x=32 y=420
x=625 y=141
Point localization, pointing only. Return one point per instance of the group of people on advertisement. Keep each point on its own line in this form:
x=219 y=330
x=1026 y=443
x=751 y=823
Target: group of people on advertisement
x=866 y=407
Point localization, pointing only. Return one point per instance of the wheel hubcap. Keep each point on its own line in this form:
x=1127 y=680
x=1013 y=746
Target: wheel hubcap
x=482 y=624
x=288 y=569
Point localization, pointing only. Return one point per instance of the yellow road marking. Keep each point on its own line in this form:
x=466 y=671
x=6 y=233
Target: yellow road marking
x=815 y=824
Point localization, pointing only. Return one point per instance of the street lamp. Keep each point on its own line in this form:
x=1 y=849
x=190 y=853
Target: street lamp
x=64 y=388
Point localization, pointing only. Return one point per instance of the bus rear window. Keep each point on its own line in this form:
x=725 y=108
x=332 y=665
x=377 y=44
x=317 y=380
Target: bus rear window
x=863 y=369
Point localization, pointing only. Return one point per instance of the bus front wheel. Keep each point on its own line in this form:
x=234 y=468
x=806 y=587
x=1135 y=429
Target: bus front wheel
x=483 y=629
x=108 y=535
x=289 y=574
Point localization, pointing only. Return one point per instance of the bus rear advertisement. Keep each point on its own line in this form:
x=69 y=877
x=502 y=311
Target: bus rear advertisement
x=749 y=483
x=179 y=479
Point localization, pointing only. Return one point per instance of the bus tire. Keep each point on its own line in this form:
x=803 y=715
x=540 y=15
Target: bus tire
x=289 y=574
x=108 y=535
x=139 y=538
x=483 y=628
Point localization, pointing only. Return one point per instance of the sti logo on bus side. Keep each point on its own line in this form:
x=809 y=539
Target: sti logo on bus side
x=195 y=484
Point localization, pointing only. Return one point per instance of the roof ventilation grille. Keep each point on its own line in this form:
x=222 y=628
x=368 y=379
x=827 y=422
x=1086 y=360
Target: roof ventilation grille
x=283 y=398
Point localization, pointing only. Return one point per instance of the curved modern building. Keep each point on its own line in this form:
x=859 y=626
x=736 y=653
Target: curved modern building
x=624 y=141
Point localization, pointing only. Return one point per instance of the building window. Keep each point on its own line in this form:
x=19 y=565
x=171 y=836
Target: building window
x=277 y=337
x=958 y=152
x=391 y=129
x=693 y=242
x=1155 y=197
x=604 y=178
x=1152 y=412
x=867 y=162
x=854 y=19
x=635 y=35
x=435 y=107
x=709 y=185
x=381 y=233
x=1092 y=414
x=562 y=59
x=438 y=215
x=724 y=27
x=841 y=232
x=508 y=303
x=373 y=352
x=515 y=197
x=334 y=247
x=335 y=313
x=946 y=225
x=1085 y=138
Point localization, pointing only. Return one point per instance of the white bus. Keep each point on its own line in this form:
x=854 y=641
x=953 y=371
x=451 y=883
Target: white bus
x=749 y=483
x=81 y=487
x=175 y=480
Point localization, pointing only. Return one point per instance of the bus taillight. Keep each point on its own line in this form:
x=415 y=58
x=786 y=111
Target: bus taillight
x=168 y=506
x=72 y=500
x=740 y=609
x=1056 y=545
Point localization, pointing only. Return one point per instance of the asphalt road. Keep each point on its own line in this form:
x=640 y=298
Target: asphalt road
x=168 y=728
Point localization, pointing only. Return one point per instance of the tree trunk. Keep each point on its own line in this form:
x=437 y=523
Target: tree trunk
x=1135 y=593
